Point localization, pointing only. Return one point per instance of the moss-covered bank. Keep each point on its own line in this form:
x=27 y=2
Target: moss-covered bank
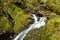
x=15 y=15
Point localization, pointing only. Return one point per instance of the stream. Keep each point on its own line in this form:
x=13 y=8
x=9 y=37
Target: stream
x=37 y=24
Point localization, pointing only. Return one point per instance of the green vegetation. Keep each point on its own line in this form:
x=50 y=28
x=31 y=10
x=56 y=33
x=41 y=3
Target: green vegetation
x=4 y=24
x=54 y=5
x=16 y=15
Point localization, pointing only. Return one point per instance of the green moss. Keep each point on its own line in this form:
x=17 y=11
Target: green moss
x=54 y=33
x=21 y=22
x=19 y=16
x=54 y=5
x=4 y=24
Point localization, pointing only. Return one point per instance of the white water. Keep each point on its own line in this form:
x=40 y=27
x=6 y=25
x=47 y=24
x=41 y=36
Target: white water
x=35 y=25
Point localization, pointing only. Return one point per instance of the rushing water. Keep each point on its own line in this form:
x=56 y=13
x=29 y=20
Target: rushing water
x=35 y=25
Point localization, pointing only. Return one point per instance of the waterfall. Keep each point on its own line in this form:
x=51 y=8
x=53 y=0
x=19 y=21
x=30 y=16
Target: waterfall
x=35 y=25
